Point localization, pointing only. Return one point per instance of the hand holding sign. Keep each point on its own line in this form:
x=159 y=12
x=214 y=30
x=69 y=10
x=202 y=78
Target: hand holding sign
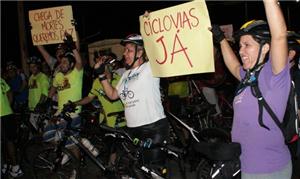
x=146 y=14
x=70 y=44
x=74 y=23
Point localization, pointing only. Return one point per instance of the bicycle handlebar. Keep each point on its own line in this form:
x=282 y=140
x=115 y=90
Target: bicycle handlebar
x=69 y=107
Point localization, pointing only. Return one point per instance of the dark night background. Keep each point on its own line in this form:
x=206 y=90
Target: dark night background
x=115 y=19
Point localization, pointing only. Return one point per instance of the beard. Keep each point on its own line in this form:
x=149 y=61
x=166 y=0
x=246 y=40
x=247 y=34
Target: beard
x=65 y=70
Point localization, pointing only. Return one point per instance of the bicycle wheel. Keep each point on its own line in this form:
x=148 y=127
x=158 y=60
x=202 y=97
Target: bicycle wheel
x=203 y=169
x=47 y=163
x=210 y=135
x=125 y=167
x=130 y=94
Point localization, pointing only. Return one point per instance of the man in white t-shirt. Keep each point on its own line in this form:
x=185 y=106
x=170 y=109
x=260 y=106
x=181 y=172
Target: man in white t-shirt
x=140 y=94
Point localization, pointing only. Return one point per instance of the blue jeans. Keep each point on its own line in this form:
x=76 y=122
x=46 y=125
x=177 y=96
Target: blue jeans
x=55 y=132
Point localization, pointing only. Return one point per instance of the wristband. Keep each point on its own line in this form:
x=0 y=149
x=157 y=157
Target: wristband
x=102 y=77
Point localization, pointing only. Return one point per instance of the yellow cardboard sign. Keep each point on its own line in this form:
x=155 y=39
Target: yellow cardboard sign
x=50 y=24
x=177 y=40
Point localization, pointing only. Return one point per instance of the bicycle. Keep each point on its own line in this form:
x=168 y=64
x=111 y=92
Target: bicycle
x=216 y=152
x=129 y=162
x=56 y=159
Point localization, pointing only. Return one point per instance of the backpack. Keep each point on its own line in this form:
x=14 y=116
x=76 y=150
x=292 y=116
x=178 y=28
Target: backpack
x=290 y=124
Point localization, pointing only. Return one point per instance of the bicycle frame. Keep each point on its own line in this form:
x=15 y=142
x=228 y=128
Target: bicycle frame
x=206 y=149
x=138 y=145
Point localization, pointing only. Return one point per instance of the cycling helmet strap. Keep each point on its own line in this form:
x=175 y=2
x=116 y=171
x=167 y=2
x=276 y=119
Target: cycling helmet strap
x=263 y=103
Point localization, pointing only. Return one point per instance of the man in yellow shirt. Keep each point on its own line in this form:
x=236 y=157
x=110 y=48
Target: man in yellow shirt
x=8 y=130
x=38 y=84
x=109 y=106
x=68 y=84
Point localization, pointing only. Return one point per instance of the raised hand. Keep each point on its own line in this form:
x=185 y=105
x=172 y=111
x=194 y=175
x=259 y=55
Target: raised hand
x=68 y=40
x=217 y=33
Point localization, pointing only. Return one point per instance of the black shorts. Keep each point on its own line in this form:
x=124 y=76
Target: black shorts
x=158 y=132
x=8 y=127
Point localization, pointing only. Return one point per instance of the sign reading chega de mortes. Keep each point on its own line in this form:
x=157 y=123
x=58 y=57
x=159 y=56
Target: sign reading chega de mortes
x=49 y=25
x=178 y=41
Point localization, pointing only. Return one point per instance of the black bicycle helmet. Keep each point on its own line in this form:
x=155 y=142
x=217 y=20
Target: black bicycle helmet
x=34 y=60
x=259 y=29
x=293 y=40
x=133 y=38
x=10 y=65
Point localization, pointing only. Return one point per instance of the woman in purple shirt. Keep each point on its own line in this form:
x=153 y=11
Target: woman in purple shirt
x=263 y=50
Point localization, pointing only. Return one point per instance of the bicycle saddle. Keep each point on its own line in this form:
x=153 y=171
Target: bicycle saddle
x=219 y=150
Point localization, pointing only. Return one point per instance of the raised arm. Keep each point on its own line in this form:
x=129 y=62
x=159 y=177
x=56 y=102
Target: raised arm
x=78 y=59
x=77 y=43
x=45 y=54
x=71 y=46
x=109 y=90
x=230 y=58
x=278 y=29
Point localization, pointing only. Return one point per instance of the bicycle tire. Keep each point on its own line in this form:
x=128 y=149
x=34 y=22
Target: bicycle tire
x=122 y=165
x=130 y=94
x=210 y=135
x=203 y=169
x=45 y=164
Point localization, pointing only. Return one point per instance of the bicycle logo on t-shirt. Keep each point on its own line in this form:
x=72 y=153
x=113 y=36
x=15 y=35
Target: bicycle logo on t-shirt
x=126 y=93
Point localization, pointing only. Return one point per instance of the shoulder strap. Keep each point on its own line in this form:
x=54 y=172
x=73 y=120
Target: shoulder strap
x=263 y=103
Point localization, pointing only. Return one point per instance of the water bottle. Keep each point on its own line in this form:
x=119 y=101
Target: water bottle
x=90 y=146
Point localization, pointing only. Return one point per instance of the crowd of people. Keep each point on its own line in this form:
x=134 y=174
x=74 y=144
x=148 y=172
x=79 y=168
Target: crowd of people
x=265 y=48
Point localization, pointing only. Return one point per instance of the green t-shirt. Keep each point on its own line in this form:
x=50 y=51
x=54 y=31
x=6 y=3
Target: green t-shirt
x=5 y=106
x=108 y=105
x=38 y=85
x=68 y=87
